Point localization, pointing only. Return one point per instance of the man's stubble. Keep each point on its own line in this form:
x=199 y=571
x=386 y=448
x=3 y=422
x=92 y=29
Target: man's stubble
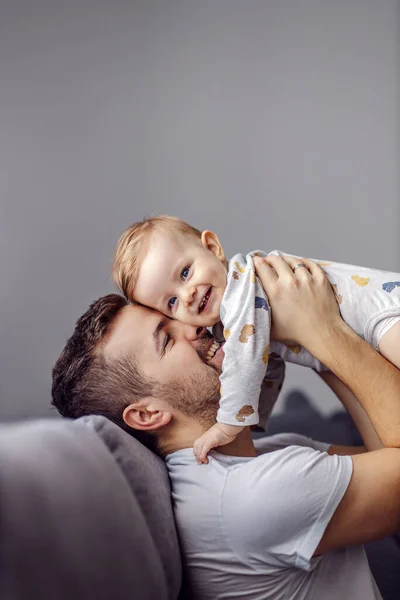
x=196 y=394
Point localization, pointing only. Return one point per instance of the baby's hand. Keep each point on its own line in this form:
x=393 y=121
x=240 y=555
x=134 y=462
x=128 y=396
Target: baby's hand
x=218 y=435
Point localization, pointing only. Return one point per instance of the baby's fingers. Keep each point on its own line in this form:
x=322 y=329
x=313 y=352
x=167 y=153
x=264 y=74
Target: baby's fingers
x=200 y=451
x=205 y=449
x=203 y=457
x=265 y=273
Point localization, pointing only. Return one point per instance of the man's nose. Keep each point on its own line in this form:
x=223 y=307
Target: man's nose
x=189 y=295
x=193 y=333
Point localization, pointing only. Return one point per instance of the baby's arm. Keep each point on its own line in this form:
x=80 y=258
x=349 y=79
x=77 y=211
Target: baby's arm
x=218 y=435
x=246 y=318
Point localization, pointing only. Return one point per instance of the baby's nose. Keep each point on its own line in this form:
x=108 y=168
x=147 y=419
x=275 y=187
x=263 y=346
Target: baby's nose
x=189 y=297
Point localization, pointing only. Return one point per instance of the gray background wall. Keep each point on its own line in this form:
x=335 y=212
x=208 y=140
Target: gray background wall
x=274 y=122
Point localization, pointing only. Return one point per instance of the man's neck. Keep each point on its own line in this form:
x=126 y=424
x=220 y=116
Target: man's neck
x=242 y=445
x=185 y=434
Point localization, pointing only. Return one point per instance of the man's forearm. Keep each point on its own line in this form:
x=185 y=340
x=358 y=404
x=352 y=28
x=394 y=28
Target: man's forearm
x=356 y=411
x=372 y=379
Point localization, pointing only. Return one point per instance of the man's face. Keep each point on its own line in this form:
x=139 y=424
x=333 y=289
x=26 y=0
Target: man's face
x=168 y=351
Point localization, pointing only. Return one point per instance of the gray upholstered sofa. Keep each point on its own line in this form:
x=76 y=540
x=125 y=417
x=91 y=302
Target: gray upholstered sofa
x=85 y=511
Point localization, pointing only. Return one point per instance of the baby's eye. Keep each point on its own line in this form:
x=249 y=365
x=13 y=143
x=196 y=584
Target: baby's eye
x=185 y=272
x=171 y=302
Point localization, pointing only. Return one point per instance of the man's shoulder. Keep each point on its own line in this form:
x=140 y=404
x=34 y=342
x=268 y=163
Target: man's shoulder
x=275 y=470
x=281 y=462
x=281 y=473
x=289 y=488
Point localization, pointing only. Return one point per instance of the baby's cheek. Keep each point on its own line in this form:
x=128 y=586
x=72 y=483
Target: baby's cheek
x=208 y=320
x=184 y=316
x=218 y=306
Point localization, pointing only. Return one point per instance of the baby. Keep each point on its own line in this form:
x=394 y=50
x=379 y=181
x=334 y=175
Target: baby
x=168 y=265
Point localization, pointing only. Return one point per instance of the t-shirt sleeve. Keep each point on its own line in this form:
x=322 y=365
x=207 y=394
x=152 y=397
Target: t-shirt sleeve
x=277 y=506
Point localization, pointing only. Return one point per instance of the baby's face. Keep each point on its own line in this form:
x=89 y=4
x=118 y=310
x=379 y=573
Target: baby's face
x=182 y=278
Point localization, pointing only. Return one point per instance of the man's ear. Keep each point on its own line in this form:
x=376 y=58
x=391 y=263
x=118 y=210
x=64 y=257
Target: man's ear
x=210 y=240
x=145 y=416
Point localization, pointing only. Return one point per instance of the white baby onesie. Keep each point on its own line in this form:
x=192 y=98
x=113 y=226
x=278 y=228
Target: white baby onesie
x=369 y=301
x=246 y=319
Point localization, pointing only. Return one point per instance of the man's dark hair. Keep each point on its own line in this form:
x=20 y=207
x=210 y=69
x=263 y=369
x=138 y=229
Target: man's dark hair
x=87 y=382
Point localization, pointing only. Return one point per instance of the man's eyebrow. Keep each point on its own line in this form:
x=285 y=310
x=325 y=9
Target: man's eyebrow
x=156 y=335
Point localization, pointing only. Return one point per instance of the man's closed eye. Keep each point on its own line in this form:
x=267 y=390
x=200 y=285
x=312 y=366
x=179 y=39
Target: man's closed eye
x=167 y=341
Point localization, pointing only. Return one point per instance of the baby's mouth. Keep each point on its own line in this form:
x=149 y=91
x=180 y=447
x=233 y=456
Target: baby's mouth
x=212 y=351
x=204 y=301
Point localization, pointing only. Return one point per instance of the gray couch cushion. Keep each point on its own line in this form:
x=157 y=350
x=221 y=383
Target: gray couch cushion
x=70 y=526
x=147 y=475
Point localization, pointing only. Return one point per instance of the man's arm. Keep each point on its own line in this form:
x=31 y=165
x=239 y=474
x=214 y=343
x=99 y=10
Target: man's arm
x=346 y=450
x=370 y=508
x=355 y=410
x=374 y=381
x=304 y=311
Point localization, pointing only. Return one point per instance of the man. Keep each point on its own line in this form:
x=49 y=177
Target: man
x=277 y=521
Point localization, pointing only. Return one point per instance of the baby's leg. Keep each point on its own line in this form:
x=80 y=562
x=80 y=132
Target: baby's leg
x=389 y=345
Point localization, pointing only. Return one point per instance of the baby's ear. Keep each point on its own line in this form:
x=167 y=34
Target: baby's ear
x=210 y=240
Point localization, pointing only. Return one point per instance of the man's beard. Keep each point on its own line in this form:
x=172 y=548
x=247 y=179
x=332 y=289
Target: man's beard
x=197 y=394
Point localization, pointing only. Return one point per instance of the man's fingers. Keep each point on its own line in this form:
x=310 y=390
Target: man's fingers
x=313 y=267
x=279 y=265
x=264 y=272
x=313 y=270
x=274 y=266
x=298 y=266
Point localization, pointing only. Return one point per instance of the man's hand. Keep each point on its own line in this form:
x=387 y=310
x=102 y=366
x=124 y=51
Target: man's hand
x=218 y=435
x=302 y=300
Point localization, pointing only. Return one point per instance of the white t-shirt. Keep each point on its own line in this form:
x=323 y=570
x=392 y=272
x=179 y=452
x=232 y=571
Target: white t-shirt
x=249 y=527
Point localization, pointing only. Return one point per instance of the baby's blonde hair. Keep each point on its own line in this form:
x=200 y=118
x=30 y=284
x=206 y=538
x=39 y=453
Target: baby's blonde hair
x=133 y=244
